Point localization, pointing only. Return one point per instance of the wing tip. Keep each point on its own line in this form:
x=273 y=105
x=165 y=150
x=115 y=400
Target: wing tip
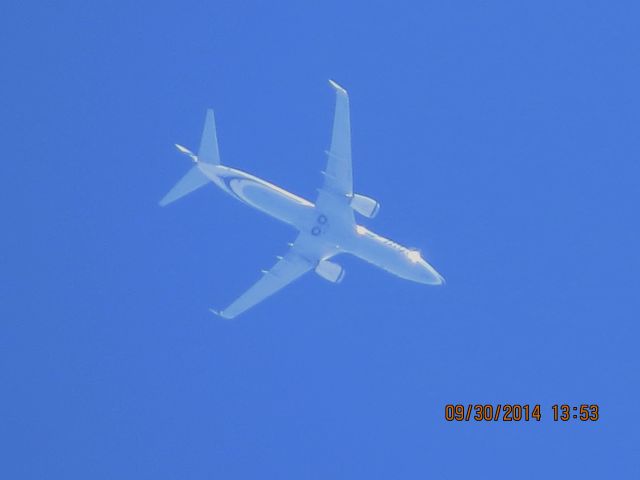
x=337 y=87
x=220 y=313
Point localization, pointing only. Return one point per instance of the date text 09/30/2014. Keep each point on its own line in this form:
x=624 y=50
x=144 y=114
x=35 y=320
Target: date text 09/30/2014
x=516 y=412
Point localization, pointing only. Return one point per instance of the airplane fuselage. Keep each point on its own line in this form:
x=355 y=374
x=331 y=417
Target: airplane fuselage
x=336 y=237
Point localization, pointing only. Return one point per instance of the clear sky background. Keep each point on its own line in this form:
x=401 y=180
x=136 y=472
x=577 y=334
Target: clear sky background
x=500 y=137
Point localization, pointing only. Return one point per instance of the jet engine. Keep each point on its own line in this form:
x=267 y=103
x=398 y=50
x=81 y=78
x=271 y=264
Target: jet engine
x=330 y=271
x=365 y=206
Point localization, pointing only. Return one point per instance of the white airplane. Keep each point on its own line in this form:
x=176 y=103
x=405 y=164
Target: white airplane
x=326 y=228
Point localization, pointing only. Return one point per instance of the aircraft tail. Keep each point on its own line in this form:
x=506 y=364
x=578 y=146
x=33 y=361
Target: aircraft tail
x=207 y=153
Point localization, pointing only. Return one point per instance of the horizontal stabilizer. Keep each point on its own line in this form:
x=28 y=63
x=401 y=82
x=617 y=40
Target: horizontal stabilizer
x=193 y=180
x=187 y=152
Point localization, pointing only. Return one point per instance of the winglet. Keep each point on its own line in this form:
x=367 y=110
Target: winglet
x=219 y=314
x=337 y=87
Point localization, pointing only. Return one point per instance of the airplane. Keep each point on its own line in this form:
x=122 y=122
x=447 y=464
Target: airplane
x=326 y=228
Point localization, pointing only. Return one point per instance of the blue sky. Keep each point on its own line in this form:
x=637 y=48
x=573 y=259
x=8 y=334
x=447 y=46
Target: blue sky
x=500 y=137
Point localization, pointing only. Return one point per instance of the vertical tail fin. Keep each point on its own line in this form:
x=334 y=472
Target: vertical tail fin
x=207 y=153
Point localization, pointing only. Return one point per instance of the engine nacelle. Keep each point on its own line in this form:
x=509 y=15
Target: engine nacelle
x=365 y=206
x=330 y=271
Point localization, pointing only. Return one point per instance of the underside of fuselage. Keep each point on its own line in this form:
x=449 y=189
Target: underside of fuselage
x=261 y=195
x=331 y=237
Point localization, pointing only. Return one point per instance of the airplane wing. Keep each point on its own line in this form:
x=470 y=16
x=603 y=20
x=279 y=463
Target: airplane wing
x=338 y=177
x=289 y=268
x=337 y=189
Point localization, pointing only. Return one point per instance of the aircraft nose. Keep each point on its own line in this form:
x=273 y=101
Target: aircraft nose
x=430 y=276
